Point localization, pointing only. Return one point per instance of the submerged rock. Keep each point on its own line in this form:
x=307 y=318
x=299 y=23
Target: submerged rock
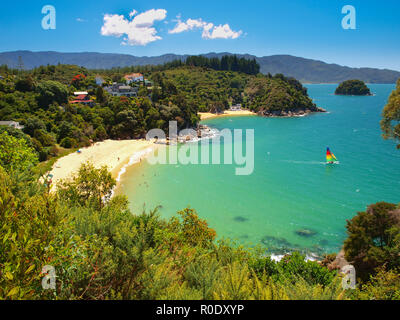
x=240 y=219
x=275 y=242
x=305 y=233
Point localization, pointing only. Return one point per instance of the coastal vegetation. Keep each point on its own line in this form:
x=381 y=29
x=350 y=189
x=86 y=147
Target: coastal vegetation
x=390 y=123
x=278 y=96
x=353 y=88
x=42 y=99
x=39 y=100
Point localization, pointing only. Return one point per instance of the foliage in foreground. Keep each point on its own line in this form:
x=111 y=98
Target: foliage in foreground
x=390 y=123
x=100 y=250
x=374 y=239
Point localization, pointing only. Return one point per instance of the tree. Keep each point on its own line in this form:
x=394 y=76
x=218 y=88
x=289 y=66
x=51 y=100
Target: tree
x=90 y=186
x=390 y=123
x=25 y=84
x=374 y=239
x=15 y=154
x=100 y=96
x=77 y=81
x=33 y=124
x=50 y=92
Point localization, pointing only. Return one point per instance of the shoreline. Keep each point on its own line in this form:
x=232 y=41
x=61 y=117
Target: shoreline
x=226 y=113
x=117 y=155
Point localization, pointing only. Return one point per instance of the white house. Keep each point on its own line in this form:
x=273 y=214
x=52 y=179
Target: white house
x=99 y=81
x=118 y=90
x=12 y=124
x=81 y=93
x=237 y=107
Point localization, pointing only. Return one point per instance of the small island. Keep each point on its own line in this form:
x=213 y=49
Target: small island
x=353 y=88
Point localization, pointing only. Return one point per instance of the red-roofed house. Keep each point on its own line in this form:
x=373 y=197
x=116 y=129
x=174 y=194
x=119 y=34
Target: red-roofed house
x=83 y=98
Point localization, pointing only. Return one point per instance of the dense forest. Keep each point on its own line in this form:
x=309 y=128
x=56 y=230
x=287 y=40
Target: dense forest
x=353 y=88
x=39 y=99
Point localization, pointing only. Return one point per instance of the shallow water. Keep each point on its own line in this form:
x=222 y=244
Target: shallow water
x=291 y=188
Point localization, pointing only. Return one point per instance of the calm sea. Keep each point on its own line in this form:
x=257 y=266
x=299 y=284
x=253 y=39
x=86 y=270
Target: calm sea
x=292 y=188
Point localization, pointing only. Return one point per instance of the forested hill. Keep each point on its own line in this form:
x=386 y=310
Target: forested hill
x=305 y=70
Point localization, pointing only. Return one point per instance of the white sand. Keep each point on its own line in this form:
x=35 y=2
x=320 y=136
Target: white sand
x=111 y=153
x=228 y=113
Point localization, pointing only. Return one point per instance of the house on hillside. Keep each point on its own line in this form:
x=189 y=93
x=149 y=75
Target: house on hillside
x=82 y=98
x=12 y=124
x=118 y=90
x=134 y=77
x=148 y=83
x=236 y=107
x=99 y=81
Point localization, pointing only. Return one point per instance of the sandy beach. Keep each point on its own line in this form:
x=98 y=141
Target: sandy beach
x=116 y=154
x=111 y=153
x=227 y=113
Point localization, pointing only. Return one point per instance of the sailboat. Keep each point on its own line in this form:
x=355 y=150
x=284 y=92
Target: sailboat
x=330 y=157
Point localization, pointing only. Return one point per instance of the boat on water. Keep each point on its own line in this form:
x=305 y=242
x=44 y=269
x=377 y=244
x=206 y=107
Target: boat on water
x=330 y=157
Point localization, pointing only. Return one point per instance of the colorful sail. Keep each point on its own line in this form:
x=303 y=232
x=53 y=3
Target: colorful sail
x=330 y=157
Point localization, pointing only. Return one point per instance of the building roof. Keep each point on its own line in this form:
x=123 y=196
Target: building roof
x=133 y=75
x=81 y=101
x=78 y=93
x=13 y=124
x=6 y=123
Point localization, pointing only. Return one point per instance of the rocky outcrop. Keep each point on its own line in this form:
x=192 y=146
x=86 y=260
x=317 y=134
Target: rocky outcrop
x=289 y=113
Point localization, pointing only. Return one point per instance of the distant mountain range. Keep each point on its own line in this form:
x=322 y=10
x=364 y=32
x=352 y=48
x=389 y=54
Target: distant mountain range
x=305 y=70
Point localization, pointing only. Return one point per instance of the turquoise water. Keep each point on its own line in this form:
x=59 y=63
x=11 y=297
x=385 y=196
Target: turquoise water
x=291 y=187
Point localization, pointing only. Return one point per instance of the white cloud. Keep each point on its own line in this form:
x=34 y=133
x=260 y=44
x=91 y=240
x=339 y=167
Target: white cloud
x=221 y=32
x=133 y=12
x=190 y=24
x=80 y=20
x=210 y=31
x=139 y=30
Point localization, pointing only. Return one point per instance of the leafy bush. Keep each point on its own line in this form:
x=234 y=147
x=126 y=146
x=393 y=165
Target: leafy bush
x=68 y=143
x=50 y=92
x=374 y=239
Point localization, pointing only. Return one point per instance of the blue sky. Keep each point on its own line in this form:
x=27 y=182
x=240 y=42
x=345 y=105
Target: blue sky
x=306 y=28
